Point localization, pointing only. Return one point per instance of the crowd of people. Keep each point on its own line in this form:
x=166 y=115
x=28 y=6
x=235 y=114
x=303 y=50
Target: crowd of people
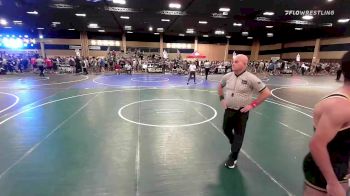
x=131 y=62
x=293 y=67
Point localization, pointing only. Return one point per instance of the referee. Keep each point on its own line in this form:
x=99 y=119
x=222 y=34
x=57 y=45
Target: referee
x=236 y=90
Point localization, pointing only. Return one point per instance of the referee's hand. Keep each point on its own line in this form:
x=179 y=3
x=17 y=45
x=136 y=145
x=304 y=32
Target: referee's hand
x=223 y=104
x=247 y=108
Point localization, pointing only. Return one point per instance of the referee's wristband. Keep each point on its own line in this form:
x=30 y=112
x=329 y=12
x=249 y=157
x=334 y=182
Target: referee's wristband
x=221 y=97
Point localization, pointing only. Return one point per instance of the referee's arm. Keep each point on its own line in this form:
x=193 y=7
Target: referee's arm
x=221 y=93
x=263 y=95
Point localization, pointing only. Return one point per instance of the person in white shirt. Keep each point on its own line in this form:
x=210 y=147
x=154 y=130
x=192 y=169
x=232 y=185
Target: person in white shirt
x=207 y=68
x=192 y=70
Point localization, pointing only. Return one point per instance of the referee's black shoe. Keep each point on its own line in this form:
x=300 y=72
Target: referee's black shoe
x=231 y=163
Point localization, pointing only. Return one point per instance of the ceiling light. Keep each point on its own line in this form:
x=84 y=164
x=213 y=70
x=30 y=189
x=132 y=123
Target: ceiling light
x=262 y=19
x=181 y=34
x=93 y=26
x=33 y=12
x=165 y=20
x=189 y=29
x=8 y=27
x=268 y=13
x=80 y=14
x=228 y=37
x=175 y=5
x=127 y=27
x=26 y=36
x=61 y=6
x=245 y=33
x=125 y=17
x=299 y=22
x=17 y=21
x=307 y=17
x=3 y=22
x=71 y=29
x=101 y=31
x=329 y=0
x=327 y=25
x=205 y=35
x=202 y=22
x=156 y=33
x=343 y=20
x=150 y=28
x=123 y=2
x=41 y=36
x=269 y=27
x=160 y=29
x=269 y=34
x=218 y=32
x=40 y=28
x=129 y=32
x=249 y=37
x=56 y=23
x=298 y=29
x=224 y=9
x=237 y=24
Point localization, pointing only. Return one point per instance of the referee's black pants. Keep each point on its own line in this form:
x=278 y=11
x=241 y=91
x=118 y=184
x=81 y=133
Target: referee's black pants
x=206 y=73
x=234 y=128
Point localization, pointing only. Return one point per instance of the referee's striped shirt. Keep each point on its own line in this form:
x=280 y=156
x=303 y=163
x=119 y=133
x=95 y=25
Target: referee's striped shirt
x=239 y=89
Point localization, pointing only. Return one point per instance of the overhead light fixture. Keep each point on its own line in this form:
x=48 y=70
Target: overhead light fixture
x=127 y=27
x=299 y=22
x=25 y=36
x=125 y=17
x=7 y=27
x=237 y=24
x=123 y=2
x=269 y=27
x=298 y=28
x=224 y=9
x=175 y=5
x=307 y=17
x=202 y=22
x=129 y=32
x=40 y=28
x=160 y=29
x=189 y=29
x=329 y=0
x=249 y=37
x=205 y=35
x=150 y=28
x=17 y=22
x=181 y=34
x=218 y=32
x=327 y=24
x=268 y=13
x=93 y=26
x=71 y=29
x=101 y=31
x=245 y=33
x=269 y=34
x=165 y=20
x=41 y=37
x=33 y=12
x=156 y=33
x=228 y=37
x=343 y=20
x=80 y=15
x=3 y=22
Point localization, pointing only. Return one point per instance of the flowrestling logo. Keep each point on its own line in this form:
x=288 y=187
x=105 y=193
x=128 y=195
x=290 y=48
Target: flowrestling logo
x=309 y=12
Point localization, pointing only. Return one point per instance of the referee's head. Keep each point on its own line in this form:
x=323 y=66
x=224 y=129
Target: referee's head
x=240 y=63
x=345 y=66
